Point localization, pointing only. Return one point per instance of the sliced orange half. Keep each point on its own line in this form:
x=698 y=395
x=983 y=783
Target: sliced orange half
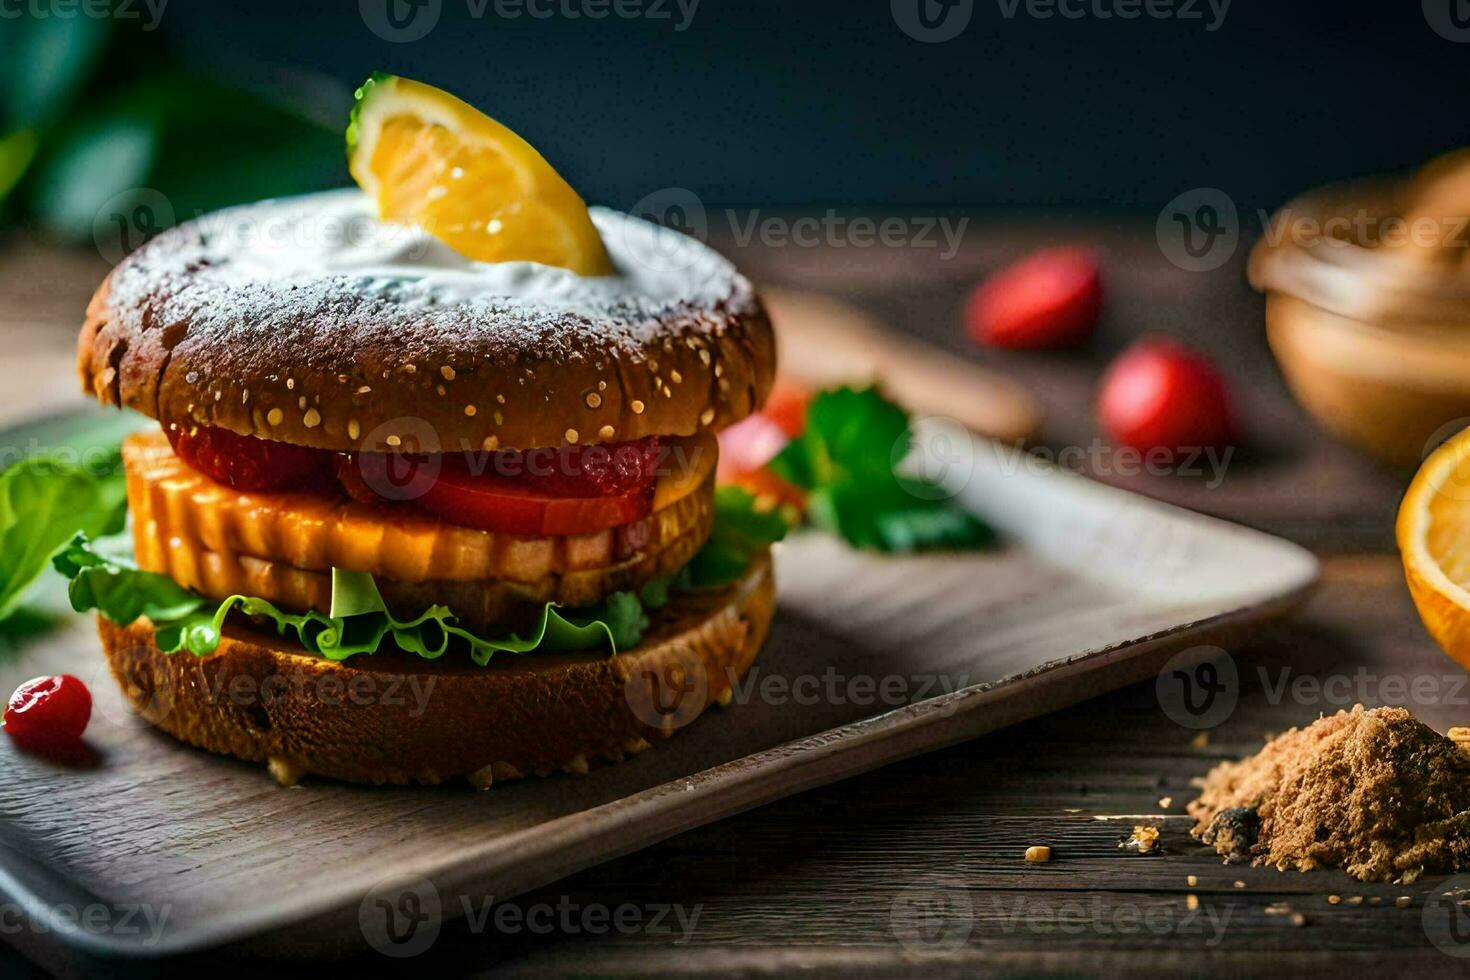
x=1433 y=534
x=431 y=160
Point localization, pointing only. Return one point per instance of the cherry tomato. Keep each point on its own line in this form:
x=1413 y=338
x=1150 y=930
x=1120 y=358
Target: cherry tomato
x=248 y=463
x=1050 y=299
x=1160 y=394
x=787 y=407
x=49 y=711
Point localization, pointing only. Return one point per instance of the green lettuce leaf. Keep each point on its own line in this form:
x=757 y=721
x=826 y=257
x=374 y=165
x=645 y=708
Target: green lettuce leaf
x=844 y=460
x=741 y=531
x=43 y=502
x=359 y=621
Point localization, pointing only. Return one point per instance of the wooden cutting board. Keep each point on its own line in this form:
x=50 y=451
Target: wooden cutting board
x=164 y=851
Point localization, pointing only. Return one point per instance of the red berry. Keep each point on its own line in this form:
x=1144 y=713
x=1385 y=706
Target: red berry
x=49 y=711
x=248 y=463
x=1161 y=394
x=1049 y=299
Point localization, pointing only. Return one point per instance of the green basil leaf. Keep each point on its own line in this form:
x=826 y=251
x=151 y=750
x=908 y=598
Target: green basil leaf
x=43 y=502
x=741 y=532
x=844 y=460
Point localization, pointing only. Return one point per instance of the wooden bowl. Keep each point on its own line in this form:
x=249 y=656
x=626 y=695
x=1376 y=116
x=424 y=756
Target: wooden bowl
x=1368 y=307
x=1389 y=391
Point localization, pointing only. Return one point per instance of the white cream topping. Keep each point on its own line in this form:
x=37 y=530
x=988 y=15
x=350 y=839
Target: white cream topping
x=338 y=233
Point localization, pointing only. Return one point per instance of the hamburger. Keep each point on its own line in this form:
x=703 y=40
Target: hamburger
x=450 y=431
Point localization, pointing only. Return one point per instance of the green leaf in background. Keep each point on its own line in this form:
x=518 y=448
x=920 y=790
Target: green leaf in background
x=17 y=150
x=844 y=460
x=96 y=159
x=43 y=503
x=47 y=61
x=187 y=144
x=741 y=531
x=185 y=621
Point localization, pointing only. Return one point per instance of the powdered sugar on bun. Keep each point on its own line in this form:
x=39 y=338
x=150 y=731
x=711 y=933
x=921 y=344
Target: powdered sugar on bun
x=337 y=233
x=308 y=320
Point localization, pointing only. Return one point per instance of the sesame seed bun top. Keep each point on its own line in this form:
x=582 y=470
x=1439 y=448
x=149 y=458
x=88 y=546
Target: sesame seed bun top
x=311 y=322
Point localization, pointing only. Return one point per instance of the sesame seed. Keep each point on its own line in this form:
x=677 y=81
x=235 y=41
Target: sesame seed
x=707 y=416
x=490 y=444
x=704 y=357
x=719 y=367
x=676 y=377
x=499 y=419
x=469 y=410
x=410 y=368
x=394 y=441
x=312 y=418
x=571 y=435
x=440 y=389
x=653 y=365
x=274 y=416
x=448 y=372
x=192 y=377
x=341 y=379
x=301 y=403
x=602 y=386
x=668 y=392
x=500 y=399
x=353 y=428
x=219 y=394
x=290 y=384
x=593 y=399
x=364 y=389
x=244 y=396
x=606 y=432
x=637 y=407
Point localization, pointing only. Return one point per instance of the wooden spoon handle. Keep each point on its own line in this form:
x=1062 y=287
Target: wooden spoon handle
x=823 y=341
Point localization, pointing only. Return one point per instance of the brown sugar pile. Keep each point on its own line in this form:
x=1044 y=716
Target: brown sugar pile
x=1376 y=793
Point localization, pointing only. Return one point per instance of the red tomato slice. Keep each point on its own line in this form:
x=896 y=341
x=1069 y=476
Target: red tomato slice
x=491 y=502
x=495 y=504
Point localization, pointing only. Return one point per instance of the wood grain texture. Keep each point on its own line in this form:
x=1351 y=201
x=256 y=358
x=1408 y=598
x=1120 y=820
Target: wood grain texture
x=805 y=884
x=873 y=659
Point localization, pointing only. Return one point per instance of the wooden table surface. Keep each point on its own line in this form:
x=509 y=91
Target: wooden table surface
x=917 y=868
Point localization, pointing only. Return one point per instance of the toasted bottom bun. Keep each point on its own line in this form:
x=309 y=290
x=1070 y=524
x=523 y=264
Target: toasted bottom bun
x=395 y=718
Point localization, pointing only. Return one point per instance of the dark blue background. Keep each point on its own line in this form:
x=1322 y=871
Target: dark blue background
x=800 y=103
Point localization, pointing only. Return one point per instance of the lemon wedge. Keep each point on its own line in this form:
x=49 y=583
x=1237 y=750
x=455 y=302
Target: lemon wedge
x=1433 y=533
x=432 y=160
